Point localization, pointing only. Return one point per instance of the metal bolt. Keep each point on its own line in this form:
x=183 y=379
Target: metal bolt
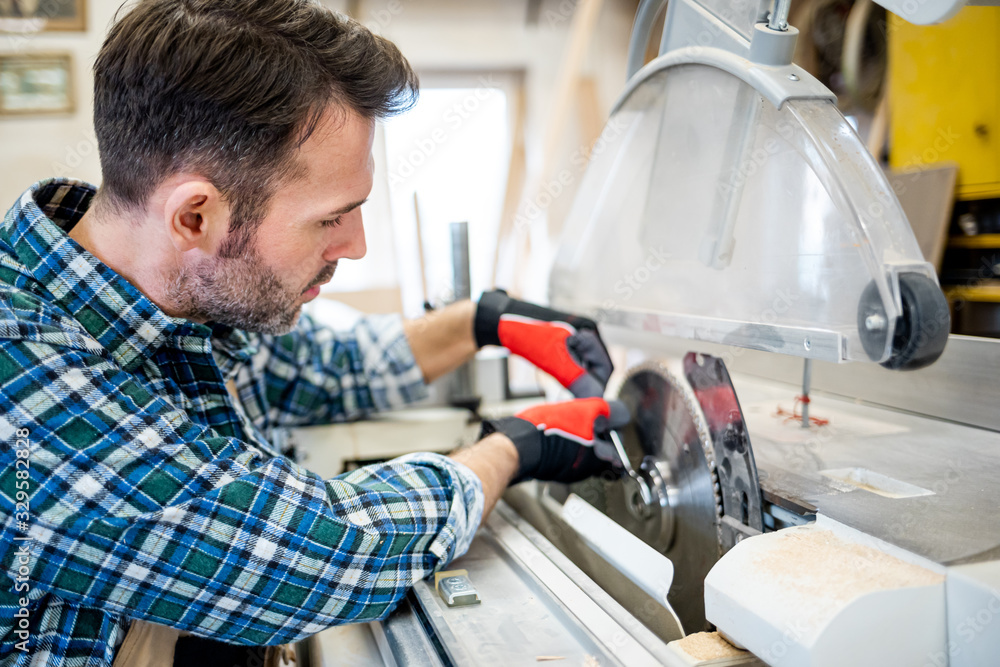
x=875 y=322
x=793 y=77
x=807 y=344
x=777 y=18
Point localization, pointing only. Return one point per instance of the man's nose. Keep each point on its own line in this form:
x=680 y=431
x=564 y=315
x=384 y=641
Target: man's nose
x=348 y=240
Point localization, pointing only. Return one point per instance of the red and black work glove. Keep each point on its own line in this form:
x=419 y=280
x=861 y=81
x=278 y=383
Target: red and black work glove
x=567 y=347
x=557 y=442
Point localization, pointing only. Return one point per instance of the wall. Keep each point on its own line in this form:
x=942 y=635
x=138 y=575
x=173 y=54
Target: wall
x=33 y=148
x=481 y=35
x=489 y=36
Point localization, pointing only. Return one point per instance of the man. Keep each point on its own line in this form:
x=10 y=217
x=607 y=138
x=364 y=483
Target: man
x=142 y=502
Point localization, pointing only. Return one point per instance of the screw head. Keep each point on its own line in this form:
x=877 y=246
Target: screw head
x=807 y=344
x=875 y=322
x=793 y=77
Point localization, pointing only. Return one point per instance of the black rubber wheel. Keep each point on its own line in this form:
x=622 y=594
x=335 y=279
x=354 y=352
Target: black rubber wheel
x=921 y=331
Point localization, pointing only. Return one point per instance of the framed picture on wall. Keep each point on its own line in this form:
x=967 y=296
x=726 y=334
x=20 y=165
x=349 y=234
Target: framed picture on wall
x=36 y=84
x=34 y=15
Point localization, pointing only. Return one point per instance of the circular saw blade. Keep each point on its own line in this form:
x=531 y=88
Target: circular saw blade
x=668 y=440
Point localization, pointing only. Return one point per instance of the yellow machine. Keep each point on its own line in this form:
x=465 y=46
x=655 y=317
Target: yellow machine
x=944 y=95
x=944 y=92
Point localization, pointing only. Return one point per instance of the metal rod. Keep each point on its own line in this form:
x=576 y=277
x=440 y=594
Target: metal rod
x=460 y=260
x=463 y=389
x=806 y=381
x=779 y=15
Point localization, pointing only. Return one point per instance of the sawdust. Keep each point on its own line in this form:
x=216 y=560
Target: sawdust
x=708 y=646
x=846 y=570
x=868 y=487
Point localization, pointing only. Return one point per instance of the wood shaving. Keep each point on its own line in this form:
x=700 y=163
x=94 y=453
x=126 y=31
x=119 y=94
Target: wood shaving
x=846 y=570
x=708 y=646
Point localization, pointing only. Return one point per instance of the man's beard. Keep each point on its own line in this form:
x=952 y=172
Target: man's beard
x=241 y=291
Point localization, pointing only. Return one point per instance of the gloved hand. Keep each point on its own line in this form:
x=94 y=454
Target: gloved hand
x=556 y=441
x=567 y=347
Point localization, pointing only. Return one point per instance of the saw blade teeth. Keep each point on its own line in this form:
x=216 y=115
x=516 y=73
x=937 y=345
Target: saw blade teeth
x=701 y=424
x=662 y=368
x=682 y=461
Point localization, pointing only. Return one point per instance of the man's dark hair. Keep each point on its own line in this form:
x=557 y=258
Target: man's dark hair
x=229 y=89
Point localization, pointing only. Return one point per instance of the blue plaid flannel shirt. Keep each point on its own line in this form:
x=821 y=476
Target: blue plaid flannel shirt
x=148 y=494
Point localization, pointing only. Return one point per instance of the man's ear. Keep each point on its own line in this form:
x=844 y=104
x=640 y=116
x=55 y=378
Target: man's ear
x=196 y=216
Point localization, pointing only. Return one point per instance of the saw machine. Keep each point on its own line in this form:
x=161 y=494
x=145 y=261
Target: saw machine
x=835 y=501
x=811 y=466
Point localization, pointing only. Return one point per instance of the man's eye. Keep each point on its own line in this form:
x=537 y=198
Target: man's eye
x=332 y=222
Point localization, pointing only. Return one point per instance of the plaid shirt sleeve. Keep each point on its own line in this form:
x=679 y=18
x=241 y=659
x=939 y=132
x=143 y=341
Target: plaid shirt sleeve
x=317 y=375
x=138 y=511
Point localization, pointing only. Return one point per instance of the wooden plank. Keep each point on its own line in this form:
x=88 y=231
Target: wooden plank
x=589 y=112
x=927 y=196
x=515 y=177
x=581 y=32
x=879 y=130
x=591 y=123
x=420 y=249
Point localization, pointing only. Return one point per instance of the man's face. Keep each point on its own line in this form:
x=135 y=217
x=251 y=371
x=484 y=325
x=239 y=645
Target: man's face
x=313 y=221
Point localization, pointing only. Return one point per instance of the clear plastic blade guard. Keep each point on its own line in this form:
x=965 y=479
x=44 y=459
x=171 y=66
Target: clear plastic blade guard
x=733 y=203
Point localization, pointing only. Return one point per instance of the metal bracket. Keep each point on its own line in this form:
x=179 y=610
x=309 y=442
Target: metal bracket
x=742 y=504
x=775 y=84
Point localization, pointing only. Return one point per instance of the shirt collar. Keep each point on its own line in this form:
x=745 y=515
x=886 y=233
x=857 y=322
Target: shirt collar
x=123 y=320
x=233 y=347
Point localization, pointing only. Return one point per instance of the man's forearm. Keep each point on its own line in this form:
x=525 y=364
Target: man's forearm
x=494 y=460
x=443 y=340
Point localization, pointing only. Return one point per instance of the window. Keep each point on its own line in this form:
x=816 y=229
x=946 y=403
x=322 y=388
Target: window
x=452 y=152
